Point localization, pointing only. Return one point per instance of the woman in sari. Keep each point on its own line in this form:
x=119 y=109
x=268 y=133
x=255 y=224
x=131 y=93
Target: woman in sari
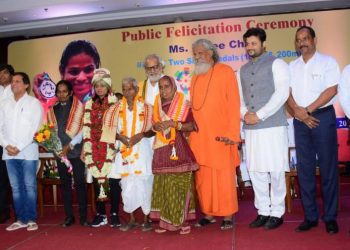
x=173 y=161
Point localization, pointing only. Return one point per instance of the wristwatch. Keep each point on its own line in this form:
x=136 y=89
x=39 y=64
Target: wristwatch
x=71 y=146
x=307 y=111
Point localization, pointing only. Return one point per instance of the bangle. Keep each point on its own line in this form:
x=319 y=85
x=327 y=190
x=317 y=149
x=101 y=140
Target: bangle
x=307 y=111
x=179 y=126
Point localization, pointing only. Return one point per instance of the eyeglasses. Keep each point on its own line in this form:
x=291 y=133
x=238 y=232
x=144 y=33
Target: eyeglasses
x=154 y=67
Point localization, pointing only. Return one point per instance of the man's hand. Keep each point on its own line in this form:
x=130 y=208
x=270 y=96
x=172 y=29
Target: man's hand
x=135 y=139
x=300 y=113
x=11 y=150
x=250 y=118
x=311 y=122
x=65 y=150
x=124 y=139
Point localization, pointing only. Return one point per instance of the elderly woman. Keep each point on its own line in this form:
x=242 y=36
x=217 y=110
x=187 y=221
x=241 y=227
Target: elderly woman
x=99 y=156
x=173 y=161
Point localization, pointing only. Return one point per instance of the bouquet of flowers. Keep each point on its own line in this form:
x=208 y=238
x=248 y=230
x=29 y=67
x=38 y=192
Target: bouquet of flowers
x=47 y=138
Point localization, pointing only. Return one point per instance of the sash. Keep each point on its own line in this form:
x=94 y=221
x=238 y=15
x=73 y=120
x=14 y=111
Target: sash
x=75 y=118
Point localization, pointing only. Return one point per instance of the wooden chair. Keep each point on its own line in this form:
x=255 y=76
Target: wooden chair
x=47 y=160
x=290 y=182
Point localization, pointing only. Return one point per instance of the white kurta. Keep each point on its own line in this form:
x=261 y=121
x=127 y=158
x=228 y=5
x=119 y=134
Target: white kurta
x=344 y=90
x=136 y=187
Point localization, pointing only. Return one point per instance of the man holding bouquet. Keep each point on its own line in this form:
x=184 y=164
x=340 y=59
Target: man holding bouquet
x=67 y=116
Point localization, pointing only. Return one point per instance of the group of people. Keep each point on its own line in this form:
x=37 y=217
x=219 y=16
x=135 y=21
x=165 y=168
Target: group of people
x=156 y=151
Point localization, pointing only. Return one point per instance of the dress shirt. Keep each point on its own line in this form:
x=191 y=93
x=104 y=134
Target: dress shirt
x=344 y=91
x=19 y=121
x=309 y=80
x=281 y=79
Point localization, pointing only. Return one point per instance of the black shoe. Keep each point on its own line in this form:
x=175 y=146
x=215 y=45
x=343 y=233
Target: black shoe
x=115 y=222
x=332 y=227
x=68 y=221
x=84 y=222
x=99 y=220
x=4 y=218
x=273 y=222
x=259 y=221
x=306 y=225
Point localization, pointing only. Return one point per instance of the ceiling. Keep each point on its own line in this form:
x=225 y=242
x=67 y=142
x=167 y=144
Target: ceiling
x=30 y=18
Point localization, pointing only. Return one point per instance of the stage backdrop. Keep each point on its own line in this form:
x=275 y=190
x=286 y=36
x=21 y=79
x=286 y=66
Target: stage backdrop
x=122 y=50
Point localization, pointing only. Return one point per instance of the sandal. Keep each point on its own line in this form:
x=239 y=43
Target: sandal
x=160 y=230
x=16 y=225
x=147 y=226
x=128 y=226
x=226 y=225
x=204 y=222
x=185 y=230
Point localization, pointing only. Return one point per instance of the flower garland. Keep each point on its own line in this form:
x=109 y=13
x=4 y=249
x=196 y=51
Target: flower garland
x=99 y=156
x=160 y=134
x=126 y=152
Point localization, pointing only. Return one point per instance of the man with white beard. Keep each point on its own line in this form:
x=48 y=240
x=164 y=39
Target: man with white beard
x=215 y=107
x=148 y=88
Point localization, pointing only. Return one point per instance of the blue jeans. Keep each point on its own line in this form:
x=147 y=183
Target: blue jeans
x=22 y=175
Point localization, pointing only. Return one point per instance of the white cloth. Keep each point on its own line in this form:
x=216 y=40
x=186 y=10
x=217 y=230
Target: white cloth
x=136 y=188
x=267 y=149
x=151 y=92
x=5 y=92
x=309 y=80
x=281 y=80
x=19 y=121
x=344 y=91
x=269 y=202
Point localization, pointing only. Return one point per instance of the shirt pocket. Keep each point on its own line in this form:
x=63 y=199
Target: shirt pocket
x=316 y=83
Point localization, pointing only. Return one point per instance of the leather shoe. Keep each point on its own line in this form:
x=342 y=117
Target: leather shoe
x=306 y=225
x=84 y=223
x=259 y=221
x=332 y=227
x=4 y=218
x=68 y=221
x=273 y=222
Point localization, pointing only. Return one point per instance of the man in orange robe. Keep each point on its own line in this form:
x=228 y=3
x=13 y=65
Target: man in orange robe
x=215 y=106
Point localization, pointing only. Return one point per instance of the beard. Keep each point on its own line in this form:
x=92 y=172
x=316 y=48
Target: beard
x=202 y=67
x=154 y=78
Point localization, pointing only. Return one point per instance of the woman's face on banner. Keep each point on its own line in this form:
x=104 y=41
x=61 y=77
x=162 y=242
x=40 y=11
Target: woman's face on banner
x=79 y=71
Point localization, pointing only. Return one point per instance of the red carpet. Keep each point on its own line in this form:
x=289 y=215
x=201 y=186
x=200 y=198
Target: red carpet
x=51 y=236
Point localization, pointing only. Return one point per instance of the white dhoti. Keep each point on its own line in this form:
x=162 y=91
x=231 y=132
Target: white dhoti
x=267 y=162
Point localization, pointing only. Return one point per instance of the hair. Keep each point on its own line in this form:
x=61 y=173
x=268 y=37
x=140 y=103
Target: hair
x=169 y=79
x=77 y=47
x=118 y=95
x=25 y=79
x=209 y=46
x=311 y=30
x=8 y=67
x=154 y=56
x=258 y=32
x=66 y=83
x=131 y=80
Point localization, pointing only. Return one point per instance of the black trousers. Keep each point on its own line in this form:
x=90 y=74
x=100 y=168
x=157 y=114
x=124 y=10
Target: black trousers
x=114 y=195
x=79 y=184
x=4 y=187
x=320 y=141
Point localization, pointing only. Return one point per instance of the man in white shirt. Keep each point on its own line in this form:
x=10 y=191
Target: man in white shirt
x=6 y=73
x=264 y=89
x=344 y=91
x=20 y=118
x=314 y=79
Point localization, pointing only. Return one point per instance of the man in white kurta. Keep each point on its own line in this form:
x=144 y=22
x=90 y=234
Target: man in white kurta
x=133 y=160
x=264 y=88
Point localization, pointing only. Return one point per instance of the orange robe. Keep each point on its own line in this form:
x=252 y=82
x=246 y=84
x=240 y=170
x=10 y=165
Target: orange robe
x=215 y=106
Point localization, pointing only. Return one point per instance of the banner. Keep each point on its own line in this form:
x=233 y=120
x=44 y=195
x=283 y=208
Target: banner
x=122 y=51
